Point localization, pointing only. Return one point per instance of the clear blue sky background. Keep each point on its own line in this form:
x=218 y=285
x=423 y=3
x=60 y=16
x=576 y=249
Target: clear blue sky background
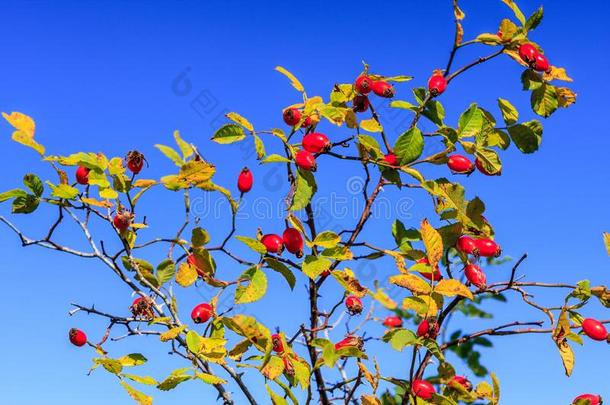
x=106 y=77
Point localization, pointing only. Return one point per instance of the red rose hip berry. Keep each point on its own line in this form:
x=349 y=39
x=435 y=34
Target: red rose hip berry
x=487 y=248
x=437 y=84
x=245 y=180
x=475 y=275
x=353 y=305
x=428 y=329
x=291 y=116
x=541 y=64
x=201 y=313
x=305 y=160
x=391 y=159
x=142 y=307
x=293 y=241
x=316 y=143
x=435 y=275
x=360 y=103
x=466 y=245
x=77 y=337
x=460 y=164
x=363 y=84
x=122 y=220
x=528 y=53
x=461 y=380
x=594 y=329
x=273 y=243
x=135 y=161
x=82 y=175
x=592 y=398
x=350 y=341
x=392 y=321
x=383 y=89
x=422 y=389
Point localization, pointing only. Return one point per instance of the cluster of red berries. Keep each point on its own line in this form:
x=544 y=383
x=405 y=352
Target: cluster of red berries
x=291 y=239
x=460 y=164
x=363 y=85
x=312 y=143
x=478 y=247
x=292 y=116
x=425 y=390
x=535 y=60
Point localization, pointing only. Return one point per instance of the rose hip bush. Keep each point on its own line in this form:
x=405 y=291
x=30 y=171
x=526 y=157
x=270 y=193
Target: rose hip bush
x=440 y=264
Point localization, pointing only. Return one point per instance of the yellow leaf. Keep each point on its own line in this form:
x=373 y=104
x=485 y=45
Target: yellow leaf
x=367 y=375
x=210 y=378
x=399 y=259
x=411 y=282
x=26 y=140
x=186 y=275
x=451 y=287
x=21 y=122
x=383 y=298
x=97 y=203
x=607 y=241
x=423 y=305
x=293 y=80
x=557 y=73
x=108 y=193
x=172 y=333
x=369 y=399
x=136 y=395
x=567 y=357
x=432 y=241
x=235 y=117
x=142 y=183
x=371 y=125
x=274 y=368
x=565 y=96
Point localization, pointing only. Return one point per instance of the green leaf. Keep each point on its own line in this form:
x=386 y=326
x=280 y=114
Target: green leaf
x=313 y=266
x=527 y=136
x=509 y=112
x=171 y=154
x=275 y=158
x=194 y=341
x=131 y=360
x=371 y=145
x=25 y=204
x=229 y=133
x=531 y=80
x=275 y=398
x=409 y=146
x=327 y=239
x=470 y=122
x=33 y=183
x=172 y=381
x=253 y=244
x=283 y=270
x=146 y=380
x=7 y=195
x=545 y=100
x=65 y=191
x=371 y=125
x=489 y=160
x=533 y=21
x=165 y=271
x=255 y=288
x=606 y=236
x=199 y=237
x=238 y=119
x=435 y=112
x=399 y=338
x=306 y=188
x=403 y=104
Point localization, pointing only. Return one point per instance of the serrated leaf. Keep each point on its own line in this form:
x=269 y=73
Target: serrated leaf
x=172 y=381
x=305 y=189
x=275 y=398
x=65 y=191
x=545 y=100
x=229 y=133
x=283 y=270
x=527 y=136
x=409 y=146
x=146 y=380
x=509 y=112
x=171 y=154
x=25 y=204
x=470 y=121
x=293 y=80
x=253 y=244
x=489 y=160
x=275 y=158
x=165 y=271
x=199 y=237
x=432 y=241
x=186 y=275
x=327 y=239
x=255 y=288
x=132 y=360
x=274 y=368
x=139 y=397
x=96 y=203
x=452 y=287
x=172 y=333
x=235 y=117
x=34 y=184
x=399 y=338
x=259 y=146
x=313 y=266
x=371 y=125
x=25 y=128
x=7 y=195
x=210 y=378
x=413 y=283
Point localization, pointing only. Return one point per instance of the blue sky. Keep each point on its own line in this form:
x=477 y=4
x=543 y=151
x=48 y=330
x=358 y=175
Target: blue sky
x=118 y=76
